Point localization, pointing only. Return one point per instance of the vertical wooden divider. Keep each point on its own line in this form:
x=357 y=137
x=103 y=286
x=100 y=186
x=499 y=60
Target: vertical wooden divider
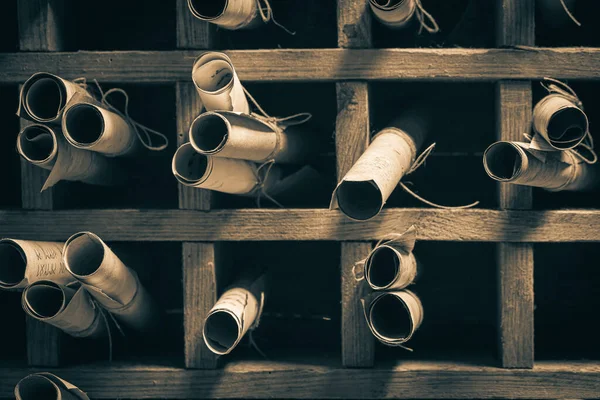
x=515 y=26
x=351 y=140
x=199 y=259
x=40 y=30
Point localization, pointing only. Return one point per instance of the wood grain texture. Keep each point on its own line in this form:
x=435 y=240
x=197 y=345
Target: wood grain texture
x=515 y=23
x=474 y=225
x=353 y=127
x=44 y=343
x=301 y=379
x=192 y=33
x=304 y=65
x=354 y=24
x=38 y=25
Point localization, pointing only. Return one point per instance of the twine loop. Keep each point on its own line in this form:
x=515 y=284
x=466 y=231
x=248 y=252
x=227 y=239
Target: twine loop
x=266 y=13
x=259 y=313
x=103 y=313
x=569 y=13
x=424 y=17
x=143 y=133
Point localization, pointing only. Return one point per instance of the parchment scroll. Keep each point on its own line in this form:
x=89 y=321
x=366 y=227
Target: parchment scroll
x=560 y=122
x=228 y=14
x=46 y=386
x=394 y=13
x=24 y=262
x=69 y=309
x=245 y=137
x=393 y=317
x=217 y=83
x=113 y=285
x=236 y=311
x=518 y=163
x=44 y=96
x=45 y=147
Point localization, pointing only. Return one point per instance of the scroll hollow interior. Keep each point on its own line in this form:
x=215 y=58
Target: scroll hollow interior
x=221 y=331
x=567 y=127
x=36 y=143
x=502 y=160
x=209 y=8
x=45 y=98
x=213 y=76
x=390 y=317
x=209 y=133
x=359 y=200
x=84 y=255
x=12 y=264
x=189 y=164
x=37 y=388
x=45 y=299
x=84 y=124
x=383 y=267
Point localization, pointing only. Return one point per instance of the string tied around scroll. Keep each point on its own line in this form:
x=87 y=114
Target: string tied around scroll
x=554 y=86
x=569 y=13
x=103 y=313
x=420 y=160
x=426 y=20
x=266 y=13
x=251 y=340
x=143 y=133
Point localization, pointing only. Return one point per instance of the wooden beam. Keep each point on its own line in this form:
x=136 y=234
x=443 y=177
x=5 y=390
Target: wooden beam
x=515 y=24
x=476 y=225
x=326 y=65
x=318 y=379
x=39 y=25
x=199 y=259
x=354 y=24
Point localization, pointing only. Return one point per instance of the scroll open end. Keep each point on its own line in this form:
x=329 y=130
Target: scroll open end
x=560 y=122
x=390 y=268
x=46 y=386
x=38 y=144
x=504 y=161
x=228 y=14
x=217 y=83
x=23 y=262
x=394 y=13
x=109 y=281
x=393 y=317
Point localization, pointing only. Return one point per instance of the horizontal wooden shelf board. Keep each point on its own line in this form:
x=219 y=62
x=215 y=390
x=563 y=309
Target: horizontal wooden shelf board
x=475 y=225
x=315 y=64
x=265 y=379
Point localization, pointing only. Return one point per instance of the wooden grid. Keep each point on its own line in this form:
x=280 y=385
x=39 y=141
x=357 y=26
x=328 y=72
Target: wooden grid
x=514 y=226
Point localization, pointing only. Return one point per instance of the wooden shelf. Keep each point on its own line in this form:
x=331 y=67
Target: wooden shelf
x=299 y=378
x=315 y=64
x=475 y=225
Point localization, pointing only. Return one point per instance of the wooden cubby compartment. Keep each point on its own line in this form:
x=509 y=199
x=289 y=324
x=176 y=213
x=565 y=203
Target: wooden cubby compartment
x=522 y=261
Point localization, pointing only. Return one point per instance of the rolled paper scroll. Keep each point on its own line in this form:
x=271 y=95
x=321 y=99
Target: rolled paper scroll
x=217 y=83
x=88 y=125
x=114 y=286
x=69 y=309
x=24 y=262
x=393 y=317
x=518 y=163
x=394 y=13
x=46 y=386
x=560 y=122
x=45 y=147
x=44 y=96
x=366 y=187
x=236 y=311
x=228 y=14
x=391 y=264
x=239 y=136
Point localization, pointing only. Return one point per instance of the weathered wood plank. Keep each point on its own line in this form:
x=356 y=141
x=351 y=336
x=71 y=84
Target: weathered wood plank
x=302 y=379
x=354 y=24
x=316 y=65
x=38 y=23
x=515 y=23
x=191 y=32
x=44 y=343
x=476 y=225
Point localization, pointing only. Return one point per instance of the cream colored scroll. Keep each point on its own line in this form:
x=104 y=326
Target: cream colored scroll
x=560 y=122
x=394 y=13
x=69 y=309
x=236 y=311
x=364 y=190
x=217 y=83
x=239 y=136
x=517 y=163
x=393 y=317
x=23 y=262
x=46 y=386
x=114 y=286
x=391 y=265
x=228 y=14
x=88 y=125
x=45 y=147
x=44 y=96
